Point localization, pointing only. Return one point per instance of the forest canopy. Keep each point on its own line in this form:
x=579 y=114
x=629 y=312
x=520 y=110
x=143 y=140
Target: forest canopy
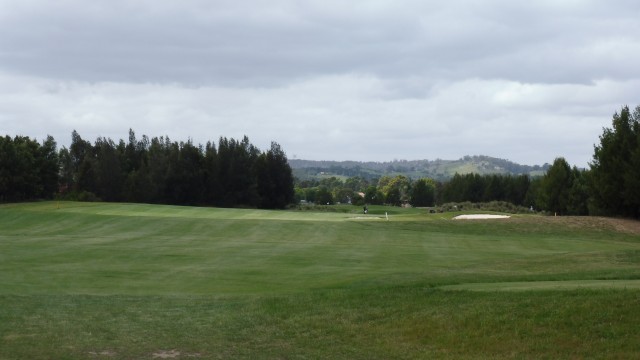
x=157 y=170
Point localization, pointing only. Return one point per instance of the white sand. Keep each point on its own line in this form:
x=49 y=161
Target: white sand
x=480 y=217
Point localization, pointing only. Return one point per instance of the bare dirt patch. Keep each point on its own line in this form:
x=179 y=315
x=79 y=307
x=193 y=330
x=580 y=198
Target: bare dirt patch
x=590 y=223
x=166 y=354
x=626 y=225
x=480 y=217
x=107 y=353
x=599 y=223
x=172 y=354
x=11 y=337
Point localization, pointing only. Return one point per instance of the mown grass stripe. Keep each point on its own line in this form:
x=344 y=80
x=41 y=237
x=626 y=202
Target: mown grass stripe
x=547 y=285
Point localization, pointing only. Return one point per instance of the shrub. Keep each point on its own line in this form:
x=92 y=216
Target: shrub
x=494 y=206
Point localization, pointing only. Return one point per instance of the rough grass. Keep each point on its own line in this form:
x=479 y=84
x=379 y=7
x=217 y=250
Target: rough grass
x=142 y=281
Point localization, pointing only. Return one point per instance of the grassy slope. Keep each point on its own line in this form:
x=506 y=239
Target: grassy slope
x=128 y=281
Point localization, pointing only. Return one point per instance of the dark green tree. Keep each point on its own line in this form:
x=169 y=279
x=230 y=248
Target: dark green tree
x=310 y=194
x=211 y=176
x=274 y=179
x=78 y=150
x=27 y=183
x=517 y=190
x=356 y=183
x=66 y=179
x=423 y=193
x=373 y=196
x=49 y=166
x=108 y=171
x=393 y=197
x=237 y=172
x=495 y=187
x=555 y=187
x=185 y=182
x=578 y=199
x=323 y=196
x=343 y=195
x=614 y=170
x=86 y=177
x=8 y=166
x=28 y=170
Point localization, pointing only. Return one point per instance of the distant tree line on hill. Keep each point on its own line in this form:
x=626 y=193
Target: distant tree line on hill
x=235 y=173
x=610 y=187
x=437 y=169
x=563 y=190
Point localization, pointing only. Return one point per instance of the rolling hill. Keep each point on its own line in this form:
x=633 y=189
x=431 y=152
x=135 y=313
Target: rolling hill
x=437 y=169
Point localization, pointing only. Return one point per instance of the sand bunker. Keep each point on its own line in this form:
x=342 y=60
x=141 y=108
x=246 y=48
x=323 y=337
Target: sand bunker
x=480 y=217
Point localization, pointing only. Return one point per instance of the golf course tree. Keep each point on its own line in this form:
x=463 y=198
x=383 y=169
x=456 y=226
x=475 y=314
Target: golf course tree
x=185 y=180
x=615 y=170
x=485 y=188
x=396 y=190
x=323 y=196
x=423 y=192
x=274 y=179
x=28 y=169
x=108 y=175
x=159 y=170
x=373 y=196
x=357 y=183
x=393 y=197
x=579 y=194
x=467 y=187
x=342 y=192
x=554 y=188
x=563 y=190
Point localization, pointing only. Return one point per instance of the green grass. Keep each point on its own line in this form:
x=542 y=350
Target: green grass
x=130 y=281
x=547 y=285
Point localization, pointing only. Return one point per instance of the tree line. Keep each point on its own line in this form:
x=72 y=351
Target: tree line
x=28 y=169
x=610 y=186
x=236 y=173
x=233 y=173
x=562 y=190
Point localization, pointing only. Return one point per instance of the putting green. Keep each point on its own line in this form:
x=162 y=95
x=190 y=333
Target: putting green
x=547 y=285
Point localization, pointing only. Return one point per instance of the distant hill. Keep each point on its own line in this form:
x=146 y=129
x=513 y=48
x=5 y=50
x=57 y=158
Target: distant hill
x=437 y=169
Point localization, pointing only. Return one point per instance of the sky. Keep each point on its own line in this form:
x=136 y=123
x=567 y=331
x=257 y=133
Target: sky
x=373 y=80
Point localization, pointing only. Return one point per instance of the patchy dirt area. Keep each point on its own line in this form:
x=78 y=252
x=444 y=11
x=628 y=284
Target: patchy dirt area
x=626 y=225
x=480 y=217
x=166 y=354
x=107 y=353
x=172 y=354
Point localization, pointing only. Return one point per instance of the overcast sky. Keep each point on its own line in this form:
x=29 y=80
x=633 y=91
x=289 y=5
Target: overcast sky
x=368 y=80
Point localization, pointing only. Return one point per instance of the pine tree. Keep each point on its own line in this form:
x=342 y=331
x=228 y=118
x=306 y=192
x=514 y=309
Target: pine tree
x=555 y=187
x=614 y=170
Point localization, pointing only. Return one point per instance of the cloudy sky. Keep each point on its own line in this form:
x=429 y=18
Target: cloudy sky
x=368 y=80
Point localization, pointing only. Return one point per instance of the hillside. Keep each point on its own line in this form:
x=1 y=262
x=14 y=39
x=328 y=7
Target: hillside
x=437 y=169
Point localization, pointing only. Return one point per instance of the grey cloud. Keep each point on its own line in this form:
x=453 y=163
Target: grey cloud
x=372 y=80
x=266 y=44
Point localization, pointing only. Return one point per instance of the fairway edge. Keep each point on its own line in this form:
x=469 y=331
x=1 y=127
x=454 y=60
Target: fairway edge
x=546 y=285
